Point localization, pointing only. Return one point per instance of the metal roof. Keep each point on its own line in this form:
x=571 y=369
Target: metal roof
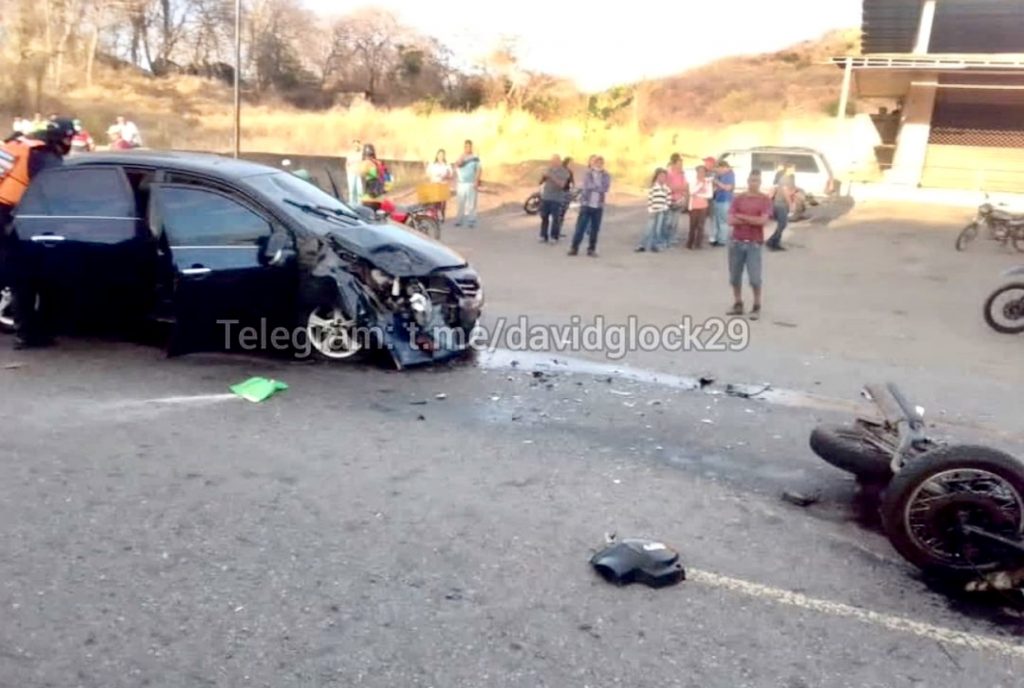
x=889 y=26
x=960 y=26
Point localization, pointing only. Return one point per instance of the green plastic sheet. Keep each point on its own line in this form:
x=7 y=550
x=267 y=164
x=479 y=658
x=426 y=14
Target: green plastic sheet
x=257 y=389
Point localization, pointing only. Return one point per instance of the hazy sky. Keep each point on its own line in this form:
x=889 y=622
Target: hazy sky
x=599 y=48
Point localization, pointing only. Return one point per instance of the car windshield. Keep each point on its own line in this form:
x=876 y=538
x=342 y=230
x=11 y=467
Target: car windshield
x=282 y=186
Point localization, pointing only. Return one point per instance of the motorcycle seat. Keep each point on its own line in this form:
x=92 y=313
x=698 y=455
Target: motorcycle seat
x=1006 y=216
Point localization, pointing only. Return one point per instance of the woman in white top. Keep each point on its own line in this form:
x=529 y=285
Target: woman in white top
x=440 y=172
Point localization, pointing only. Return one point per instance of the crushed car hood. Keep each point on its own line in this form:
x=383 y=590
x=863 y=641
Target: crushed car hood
x=399 y=251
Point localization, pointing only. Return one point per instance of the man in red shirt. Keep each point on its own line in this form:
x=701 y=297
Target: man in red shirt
x=749 y=213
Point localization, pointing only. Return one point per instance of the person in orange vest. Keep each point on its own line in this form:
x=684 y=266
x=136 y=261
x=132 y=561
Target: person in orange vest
x=21 y=159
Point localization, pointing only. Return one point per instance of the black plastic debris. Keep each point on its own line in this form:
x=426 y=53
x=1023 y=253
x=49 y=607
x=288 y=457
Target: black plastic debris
x=635 y=560
x=705 y=381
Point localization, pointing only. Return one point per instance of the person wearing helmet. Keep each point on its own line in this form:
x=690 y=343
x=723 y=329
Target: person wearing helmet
x=21 y=159
x=375 y=176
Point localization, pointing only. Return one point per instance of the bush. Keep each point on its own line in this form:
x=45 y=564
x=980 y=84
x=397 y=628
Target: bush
x=832 y=107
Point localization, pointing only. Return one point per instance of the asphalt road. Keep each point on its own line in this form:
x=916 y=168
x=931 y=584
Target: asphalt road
x=159 y=533
x=357 y=530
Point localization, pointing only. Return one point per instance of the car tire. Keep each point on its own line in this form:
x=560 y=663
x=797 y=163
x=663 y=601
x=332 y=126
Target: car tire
x=6 y=310
x=895 y=506
x=846 y=448
x=331 y=335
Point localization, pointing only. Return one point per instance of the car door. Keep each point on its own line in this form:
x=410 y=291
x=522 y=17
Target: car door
x=83 y=239
x=223 y=278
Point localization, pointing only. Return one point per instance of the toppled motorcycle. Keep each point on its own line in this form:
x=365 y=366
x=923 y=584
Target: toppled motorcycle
x=955 y=511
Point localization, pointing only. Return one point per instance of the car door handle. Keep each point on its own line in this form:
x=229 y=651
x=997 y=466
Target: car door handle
x=44 y=238
x=196 y=270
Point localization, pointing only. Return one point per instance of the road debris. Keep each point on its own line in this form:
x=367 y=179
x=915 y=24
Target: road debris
x=746 y=391
x=637 y=560
x=800 y=499
x=705 y=381
x=257 y=389
x=13 y=366
x=418 y=402
x=621 y=393
x=440 y=395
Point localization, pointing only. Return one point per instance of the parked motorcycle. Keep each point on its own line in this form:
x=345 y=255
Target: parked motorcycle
x=1003 y=226
x=952 y=510
x=532 y=204
x=1004 y=308
x=425 y=218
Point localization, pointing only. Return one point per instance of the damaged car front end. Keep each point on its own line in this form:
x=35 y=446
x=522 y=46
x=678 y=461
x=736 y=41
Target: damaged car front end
x=416 y=313
x=378 y=285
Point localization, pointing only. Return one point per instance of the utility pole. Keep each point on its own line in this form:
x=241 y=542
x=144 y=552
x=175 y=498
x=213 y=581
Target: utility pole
x=238 y=77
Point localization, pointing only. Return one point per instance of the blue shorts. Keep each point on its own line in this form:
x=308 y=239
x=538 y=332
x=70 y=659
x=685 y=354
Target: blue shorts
x=745 y=255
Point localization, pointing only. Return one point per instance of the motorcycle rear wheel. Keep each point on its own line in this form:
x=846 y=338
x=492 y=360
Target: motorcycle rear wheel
x=532 y=204
x=928 y=502
x=966 y=236
x=1017 y=239
x=1014 y=310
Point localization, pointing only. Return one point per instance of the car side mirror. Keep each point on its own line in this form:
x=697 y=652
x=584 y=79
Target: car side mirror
x=278 y=249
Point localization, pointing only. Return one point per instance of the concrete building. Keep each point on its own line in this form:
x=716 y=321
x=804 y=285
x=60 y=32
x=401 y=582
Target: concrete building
x=953 y=71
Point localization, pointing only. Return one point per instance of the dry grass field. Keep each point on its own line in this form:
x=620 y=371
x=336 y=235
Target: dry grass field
x=781 y=98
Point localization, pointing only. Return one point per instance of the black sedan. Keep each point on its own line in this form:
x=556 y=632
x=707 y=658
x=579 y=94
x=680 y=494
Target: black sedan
x=255 y=255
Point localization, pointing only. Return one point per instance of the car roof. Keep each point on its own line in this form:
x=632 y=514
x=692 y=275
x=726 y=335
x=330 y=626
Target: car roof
x=199 y=163
x=776 y=149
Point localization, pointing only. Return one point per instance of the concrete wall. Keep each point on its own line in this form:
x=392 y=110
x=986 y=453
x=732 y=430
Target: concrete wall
x=406 y=173
x=974 y=167
x=912 y=144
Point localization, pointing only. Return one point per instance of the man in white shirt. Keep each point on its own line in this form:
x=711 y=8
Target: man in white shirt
x=129 y=132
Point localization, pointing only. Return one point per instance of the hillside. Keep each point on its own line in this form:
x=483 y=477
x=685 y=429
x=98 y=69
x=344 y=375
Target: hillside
x=794 y=82
x=779 y=98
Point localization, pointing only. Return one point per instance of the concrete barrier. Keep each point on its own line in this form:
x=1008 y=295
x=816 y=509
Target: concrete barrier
x=407 y=173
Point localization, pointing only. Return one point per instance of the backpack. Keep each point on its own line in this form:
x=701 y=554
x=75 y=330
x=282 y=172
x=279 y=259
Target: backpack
x=378 y=181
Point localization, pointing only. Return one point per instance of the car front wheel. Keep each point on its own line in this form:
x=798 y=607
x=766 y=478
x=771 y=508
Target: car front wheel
x=332 y=335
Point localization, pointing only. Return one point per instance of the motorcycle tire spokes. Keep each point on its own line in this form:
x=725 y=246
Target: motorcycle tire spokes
x=1017 y=239
x=1006 y=315
x=957 y=511
x=942 y=505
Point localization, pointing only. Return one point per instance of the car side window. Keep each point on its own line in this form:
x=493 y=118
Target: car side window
x=198 y=217
x=764 y=162
x=802 y=163
x=100 y=192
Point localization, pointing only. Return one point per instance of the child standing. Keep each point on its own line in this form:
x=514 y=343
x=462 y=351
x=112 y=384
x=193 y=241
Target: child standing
x=658 y=198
